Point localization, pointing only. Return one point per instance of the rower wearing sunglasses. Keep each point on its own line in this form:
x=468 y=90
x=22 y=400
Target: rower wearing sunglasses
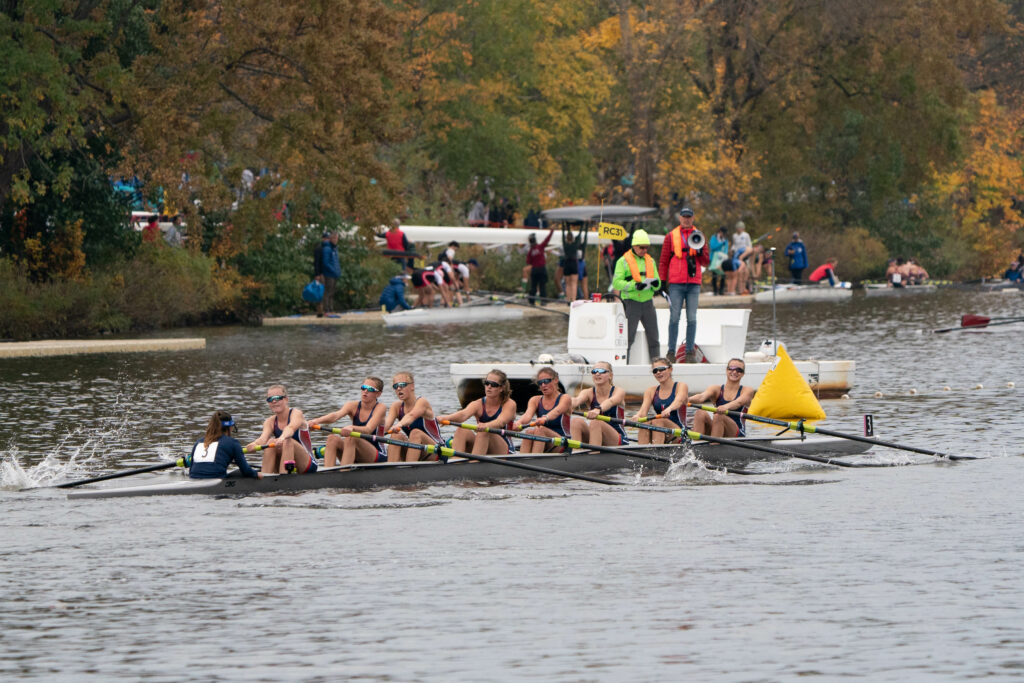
x=604 y=398
x=495 y=410
x=412 y=416
x=667 y=397
x=287 y=429
x=367 y=418
x=551 y=411
x=729 y=396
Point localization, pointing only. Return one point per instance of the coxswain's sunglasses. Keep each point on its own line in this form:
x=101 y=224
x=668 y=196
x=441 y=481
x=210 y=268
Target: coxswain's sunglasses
x=598 y=371
x=544 y=380
x=489 y=383
x=400 y=385
x=660 y=368
x=367 y=387
x=275 y=399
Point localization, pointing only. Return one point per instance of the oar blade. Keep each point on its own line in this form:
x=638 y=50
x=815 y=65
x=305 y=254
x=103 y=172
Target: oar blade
x=971 y=320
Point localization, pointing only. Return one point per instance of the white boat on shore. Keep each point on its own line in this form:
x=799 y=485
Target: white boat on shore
x=597 y=332
x=786 y=294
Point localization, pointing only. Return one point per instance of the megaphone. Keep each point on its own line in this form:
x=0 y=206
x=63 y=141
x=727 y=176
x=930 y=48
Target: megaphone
x=696 y=240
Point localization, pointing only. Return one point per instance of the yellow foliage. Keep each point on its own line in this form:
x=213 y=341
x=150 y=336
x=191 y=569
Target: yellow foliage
x=58 y=257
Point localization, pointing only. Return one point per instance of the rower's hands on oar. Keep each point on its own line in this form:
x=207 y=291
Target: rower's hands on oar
x=255 y=447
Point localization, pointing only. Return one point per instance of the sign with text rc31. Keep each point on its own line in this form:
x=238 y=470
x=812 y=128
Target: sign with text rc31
x=611 y=231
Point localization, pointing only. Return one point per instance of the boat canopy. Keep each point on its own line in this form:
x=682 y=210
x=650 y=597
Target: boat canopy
x=592 y=213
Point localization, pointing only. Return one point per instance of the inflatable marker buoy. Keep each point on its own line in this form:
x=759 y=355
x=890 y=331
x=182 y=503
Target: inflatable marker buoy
x=879 y=394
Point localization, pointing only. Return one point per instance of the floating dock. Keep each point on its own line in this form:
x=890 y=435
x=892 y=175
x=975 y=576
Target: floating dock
x=71 y=347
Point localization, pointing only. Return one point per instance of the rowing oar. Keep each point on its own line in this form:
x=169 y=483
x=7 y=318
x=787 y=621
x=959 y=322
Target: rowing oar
x=811 y=429
x=697 y=436
x=573 y=443
x=509 y=301
x=973 y=325
x=431 y=449
x=180 y=462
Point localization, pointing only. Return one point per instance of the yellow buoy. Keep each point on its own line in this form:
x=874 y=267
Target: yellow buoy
x=784 y=394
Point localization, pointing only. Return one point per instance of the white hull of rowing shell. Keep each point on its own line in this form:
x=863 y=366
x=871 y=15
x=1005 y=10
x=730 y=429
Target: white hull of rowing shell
x=800 y=293
x=462 y=314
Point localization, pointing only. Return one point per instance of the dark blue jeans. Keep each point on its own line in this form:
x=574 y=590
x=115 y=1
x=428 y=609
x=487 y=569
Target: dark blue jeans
x=679 y=292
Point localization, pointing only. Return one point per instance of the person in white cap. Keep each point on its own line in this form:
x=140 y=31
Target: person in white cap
x=636 y=279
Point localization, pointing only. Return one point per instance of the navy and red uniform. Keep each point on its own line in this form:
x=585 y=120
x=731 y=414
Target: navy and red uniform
x=382 y=453
x=661 y=405
x=722 y=400
x=302 y=436
x=484 y=417
x=615 y=412
x=212 y=462
x=429 y=427
x=561 y=425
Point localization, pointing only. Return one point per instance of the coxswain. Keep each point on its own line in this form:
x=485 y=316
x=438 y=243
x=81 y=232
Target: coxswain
x=550 y=412
x=729 y=396
x=212 y=454
x=367 y=415
x=668 y=398
x=288 y=431
x=496 y=410
x=604 y=398
x=412 y=419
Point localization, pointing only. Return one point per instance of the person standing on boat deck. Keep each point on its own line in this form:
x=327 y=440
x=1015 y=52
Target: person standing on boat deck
x=729 y=396
x=413 y=417
x=538 y=263
x=636 y=279
x=288 y=430
x=495 y=410
x=327 y=269
x=367 y=416
x=550 y=413
x=680 y=266
x=604 y=398
x=211 y=455
x=826 y=270
x=668 y=398
x=796 y=252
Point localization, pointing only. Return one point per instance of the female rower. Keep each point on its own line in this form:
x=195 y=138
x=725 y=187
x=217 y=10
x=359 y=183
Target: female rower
x=367 y=418
x=288 y=431
x=550 y=411
x=496 y=410
x=212 y=454
x=604 y=398
x=729 y=396
x=668 y=398
x=412 y=416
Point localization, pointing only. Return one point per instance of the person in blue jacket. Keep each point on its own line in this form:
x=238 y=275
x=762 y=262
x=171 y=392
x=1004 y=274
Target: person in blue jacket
x=797 y=253
x=327 y=269
x=212 y=454
x=393 y=295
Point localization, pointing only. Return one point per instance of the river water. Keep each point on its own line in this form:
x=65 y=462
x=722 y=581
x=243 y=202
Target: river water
x=888 y=574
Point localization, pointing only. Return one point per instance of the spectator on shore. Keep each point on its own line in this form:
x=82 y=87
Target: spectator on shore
x=719 y=246
x=741 y=242
x=537 y=261
x=796 y=252
x=327 y=269
x=151 y=233
x=478 y=214
x=393 y=295
x=826 y=271
x=1015 y=272
x=173 y=234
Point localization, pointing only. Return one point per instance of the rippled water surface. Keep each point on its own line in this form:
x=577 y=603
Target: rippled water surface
x=888 y=574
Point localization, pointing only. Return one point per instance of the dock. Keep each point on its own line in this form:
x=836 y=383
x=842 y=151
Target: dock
x=71 y=347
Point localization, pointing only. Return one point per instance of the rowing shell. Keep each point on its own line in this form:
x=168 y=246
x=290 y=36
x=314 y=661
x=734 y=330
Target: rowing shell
x=461 y=314
x=387 y=475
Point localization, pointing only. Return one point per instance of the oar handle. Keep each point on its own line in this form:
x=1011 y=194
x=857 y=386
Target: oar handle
x=450 y=452
x=258 y=448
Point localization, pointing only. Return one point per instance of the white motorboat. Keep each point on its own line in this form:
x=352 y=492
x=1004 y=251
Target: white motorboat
x=785 y=294
x=597 y=331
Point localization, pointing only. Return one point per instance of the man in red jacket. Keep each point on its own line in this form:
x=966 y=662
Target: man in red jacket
x=680 y=268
